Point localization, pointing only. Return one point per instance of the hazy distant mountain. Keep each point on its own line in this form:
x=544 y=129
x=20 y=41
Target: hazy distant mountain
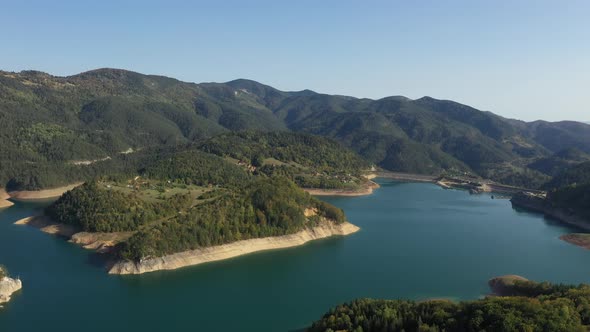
x=106 y=111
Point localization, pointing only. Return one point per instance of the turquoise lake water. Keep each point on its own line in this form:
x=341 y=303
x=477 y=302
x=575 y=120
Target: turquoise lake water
x=416 y=241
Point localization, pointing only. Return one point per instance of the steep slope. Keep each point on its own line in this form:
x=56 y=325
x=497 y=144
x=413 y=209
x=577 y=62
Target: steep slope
x=236 y=108
x=421 y=136
x=51 y=124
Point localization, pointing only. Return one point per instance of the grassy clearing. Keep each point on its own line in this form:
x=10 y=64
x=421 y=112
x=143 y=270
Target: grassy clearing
x=272 y=162
x=154 y=191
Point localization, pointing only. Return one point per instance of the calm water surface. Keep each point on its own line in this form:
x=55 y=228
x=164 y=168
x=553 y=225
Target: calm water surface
x=416 y=241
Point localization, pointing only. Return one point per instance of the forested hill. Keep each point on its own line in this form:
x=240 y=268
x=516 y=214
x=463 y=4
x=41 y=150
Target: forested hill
x=570 y=190
x=311 y=161
x=303 y=149
x=538 y=307
x=166 y=217
x=49 y=121
x=162 y=201
x=572 y=176
x=568 y=196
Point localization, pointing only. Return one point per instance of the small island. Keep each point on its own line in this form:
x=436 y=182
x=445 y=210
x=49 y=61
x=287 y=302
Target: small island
x=8 y=286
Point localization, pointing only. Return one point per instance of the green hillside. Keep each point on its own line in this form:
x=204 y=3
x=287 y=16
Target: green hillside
x=311 y=161
x=556 y=136
x=573 y=175
x=568 y=193
x=266 y=207
x=52 y=123
x=559 y=161
x=575 y=199
x=184 y=199
x=422 y=136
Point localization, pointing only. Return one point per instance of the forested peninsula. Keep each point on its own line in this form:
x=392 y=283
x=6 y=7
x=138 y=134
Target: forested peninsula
x=522 y=306
x=186 y=206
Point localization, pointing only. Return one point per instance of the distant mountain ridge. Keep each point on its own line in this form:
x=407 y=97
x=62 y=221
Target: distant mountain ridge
x=105 y=111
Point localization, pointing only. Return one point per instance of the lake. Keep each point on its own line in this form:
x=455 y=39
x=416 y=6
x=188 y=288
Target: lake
x=417 y=241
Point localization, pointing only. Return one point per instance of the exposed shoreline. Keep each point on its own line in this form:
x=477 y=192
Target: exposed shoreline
x=30 y=195
x=577 y=239
x=46 y=225
x=367 y=190
x=104 y=242
x=8 y=286
x=230 y=250
x=100 y=242
x=4 y=202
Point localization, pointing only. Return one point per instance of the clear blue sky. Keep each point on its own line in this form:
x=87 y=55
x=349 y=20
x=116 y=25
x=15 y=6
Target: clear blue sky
x=520 y=59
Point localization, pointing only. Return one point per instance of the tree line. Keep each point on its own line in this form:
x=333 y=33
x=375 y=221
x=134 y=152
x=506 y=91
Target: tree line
x=537 y=307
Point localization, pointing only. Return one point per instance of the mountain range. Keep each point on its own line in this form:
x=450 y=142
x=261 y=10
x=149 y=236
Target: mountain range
x=50 y=120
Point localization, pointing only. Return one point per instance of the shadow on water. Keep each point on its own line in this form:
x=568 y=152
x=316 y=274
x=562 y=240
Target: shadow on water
x=548 y=220
x=524 y=211
x=556 y=222
x=99 y=260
